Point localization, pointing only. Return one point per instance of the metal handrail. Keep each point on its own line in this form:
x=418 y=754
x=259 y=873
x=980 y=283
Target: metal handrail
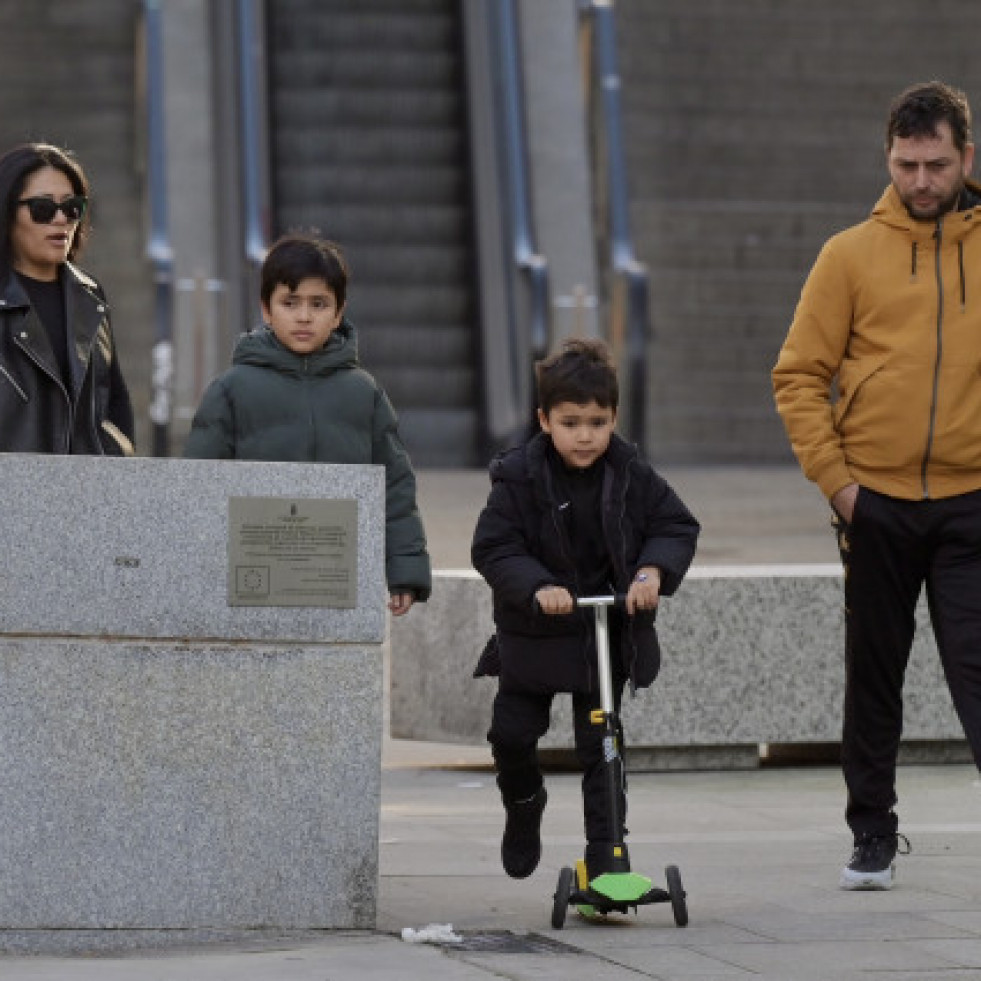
x=256 y=205
x=158 y=247
x=528 y=260
x=515 y=309
x=630 y=317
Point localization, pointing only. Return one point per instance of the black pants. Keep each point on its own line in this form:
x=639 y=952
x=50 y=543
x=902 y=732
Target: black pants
x=520 y=719
x=890 y=550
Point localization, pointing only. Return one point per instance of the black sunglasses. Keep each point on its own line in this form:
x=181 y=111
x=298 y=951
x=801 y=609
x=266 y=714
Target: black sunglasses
x=43 y=210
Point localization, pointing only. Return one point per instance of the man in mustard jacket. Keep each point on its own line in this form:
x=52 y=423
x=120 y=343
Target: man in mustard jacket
x=890 y=321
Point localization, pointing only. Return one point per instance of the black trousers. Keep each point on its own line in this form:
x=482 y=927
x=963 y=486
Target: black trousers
x=520 y=719
x=891 y=549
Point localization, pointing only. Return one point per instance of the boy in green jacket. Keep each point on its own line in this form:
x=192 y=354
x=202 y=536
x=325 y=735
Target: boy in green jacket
x=296 y=393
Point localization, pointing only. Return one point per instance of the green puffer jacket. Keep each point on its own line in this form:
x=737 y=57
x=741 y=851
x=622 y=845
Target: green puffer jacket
x=275 y=405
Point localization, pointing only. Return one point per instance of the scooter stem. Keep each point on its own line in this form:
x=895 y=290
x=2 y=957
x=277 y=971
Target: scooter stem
x=602 y=648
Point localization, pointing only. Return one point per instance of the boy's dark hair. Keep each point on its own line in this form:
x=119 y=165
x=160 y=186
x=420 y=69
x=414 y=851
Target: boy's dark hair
x=582 y=371
x=917 y=111
x=296 y=257
x=16 y=165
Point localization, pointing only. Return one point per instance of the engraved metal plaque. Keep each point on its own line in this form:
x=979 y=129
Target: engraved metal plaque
x=292 y=552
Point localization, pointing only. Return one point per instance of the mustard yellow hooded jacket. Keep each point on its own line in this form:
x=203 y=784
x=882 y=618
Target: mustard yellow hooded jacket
x=890 y=320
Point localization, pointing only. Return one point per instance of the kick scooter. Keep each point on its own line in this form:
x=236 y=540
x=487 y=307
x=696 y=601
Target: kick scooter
x=619 y=890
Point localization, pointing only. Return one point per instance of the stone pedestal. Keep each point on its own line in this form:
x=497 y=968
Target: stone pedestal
x=168 y=760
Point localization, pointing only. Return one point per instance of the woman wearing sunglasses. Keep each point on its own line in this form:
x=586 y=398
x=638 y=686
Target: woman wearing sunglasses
x=61 y=390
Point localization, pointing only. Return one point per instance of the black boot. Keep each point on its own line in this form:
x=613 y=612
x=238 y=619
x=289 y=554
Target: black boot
x=521 y=847
x=602 y=856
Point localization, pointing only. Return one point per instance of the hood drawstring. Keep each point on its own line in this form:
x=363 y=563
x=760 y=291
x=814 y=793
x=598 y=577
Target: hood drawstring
x=960 y=263
x=960 y=268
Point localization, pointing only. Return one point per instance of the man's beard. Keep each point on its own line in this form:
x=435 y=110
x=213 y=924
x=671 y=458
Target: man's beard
x=937 y=210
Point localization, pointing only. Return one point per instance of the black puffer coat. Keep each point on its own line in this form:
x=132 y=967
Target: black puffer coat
x=521 y=543
x=37 y=413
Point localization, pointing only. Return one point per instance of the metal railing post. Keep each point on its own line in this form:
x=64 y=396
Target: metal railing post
x=158 y=248
x=255 y=139
x=630 y=327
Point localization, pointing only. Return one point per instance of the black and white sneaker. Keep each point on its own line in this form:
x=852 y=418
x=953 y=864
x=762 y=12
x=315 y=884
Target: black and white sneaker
x=871 y=865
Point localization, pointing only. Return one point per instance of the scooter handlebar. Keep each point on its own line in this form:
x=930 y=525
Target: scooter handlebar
x=616 y=600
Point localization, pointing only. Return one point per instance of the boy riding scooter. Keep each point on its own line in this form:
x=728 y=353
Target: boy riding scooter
x=574 y=511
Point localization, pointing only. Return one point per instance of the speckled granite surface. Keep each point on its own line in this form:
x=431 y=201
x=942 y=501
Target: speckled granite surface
x=169 y=761
x=751 y=655
x=138 y=548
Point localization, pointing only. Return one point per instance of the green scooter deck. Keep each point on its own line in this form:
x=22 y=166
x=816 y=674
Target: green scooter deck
x=622 y=889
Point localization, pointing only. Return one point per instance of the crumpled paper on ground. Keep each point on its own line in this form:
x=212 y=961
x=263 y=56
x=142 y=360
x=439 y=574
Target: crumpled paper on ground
x=434 y=933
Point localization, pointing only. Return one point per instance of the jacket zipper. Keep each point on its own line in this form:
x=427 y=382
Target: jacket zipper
x=561 y=535
x=938 y=235
x=68 y=402
x=628 y=621
x=17 y=388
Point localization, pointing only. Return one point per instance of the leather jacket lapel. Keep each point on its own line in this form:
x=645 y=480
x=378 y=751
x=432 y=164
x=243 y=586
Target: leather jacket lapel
x=85 y=312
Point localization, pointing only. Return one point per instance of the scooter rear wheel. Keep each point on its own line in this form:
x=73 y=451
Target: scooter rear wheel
x=563 y=892
x=677 y=893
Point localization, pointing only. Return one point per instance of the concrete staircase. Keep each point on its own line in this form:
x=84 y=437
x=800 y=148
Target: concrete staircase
x=754 y=130
x=370 y=149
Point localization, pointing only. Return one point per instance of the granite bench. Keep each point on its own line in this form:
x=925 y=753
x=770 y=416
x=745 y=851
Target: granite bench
x=752 y=667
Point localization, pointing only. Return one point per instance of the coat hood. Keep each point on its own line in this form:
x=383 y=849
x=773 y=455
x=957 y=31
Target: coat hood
x=955 y=226
x=261 y=348
x=890 y=210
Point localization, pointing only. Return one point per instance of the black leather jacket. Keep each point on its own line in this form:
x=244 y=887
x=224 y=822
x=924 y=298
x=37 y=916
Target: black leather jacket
x=37 y=413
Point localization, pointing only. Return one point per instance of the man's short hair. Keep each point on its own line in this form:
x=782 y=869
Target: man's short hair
x=917 y=111
x=297 y=257
x=581 y=371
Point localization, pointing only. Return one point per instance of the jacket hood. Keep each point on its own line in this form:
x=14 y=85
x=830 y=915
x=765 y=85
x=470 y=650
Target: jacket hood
x=261 y=348
x=890 y=210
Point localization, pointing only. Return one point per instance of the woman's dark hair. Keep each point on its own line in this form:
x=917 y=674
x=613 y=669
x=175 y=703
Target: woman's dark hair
x=296 y=257
x=917 y=110
x=581 y=372
x=16 y=166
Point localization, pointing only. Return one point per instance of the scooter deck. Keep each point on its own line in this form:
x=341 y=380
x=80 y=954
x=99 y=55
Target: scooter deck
x=613 y=892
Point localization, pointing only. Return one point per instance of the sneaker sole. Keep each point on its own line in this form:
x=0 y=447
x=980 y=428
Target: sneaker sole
x=866 y=881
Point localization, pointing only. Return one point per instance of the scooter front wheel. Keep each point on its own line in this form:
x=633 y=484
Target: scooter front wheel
x=563 y=892
x=677 y=893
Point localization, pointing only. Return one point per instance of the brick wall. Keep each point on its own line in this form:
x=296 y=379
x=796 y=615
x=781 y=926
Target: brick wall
x=755 y=131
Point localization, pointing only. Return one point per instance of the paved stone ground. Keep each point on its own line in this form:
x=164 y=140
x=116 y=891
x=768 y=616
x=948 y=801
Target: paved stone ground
x=759 y=851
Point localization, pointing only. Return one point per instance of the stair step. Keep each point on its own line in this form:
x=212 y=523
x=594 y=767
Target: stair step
x=423 y=266
x=357 y=145
x=399 y=69
x=411 y=305
x=350 y=109
x=404 y=224
x=380 y=183
x=372 y=31
x=388 y=345
x=440 y=437
x=427 y=387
